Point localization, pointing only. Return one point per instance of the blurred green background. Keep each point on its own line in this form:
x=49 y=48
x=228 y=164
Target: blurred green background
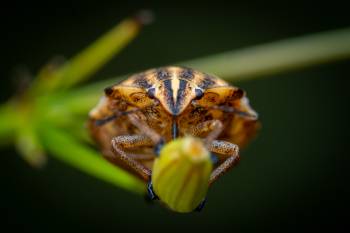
x=293 y=177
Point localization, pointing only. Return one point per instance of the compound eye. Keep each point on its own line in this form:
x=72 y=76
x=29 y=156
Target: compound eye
x=199 y=94
x=151 y=92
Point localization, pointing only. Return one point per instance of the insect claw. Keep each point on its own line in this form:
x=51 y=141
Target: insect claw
x=214 y=158
x=151 y=194
x=201 y=205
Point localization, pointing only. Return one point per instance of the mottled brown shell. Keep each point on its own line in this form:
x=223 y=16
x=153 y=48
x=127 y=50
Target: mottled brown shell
x=169 y=96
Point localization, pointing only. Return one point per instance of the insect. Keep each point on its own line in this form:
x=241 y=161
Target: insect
x=136 y=117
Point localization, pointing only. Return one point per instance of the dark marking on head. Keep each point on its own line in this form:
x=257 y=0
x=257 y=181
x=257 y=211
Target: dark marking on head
x=207 y=82
x=108 y=91
x=162 y=74
x=141 y=81
x=187 y=73
x=169 y=96
x=181 y=94
x=199 y=94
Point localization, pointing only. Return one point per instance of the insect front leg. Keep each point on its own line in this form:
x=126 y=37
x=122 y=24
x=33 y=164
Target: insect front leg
x=230 y=152
x=210 y=129
x=121 y=143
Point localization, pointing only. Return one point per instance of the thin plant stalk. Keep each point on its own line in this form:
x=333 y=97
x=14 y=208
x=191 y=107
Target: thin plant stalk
x=276 y=57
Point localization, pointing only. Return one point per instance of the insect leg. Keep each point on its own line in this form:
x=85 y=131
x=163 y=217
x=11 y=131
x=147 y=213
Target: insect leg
x=150 y=133
x=144 y=128
x=120 y=143
x=211 y=129
x=228 y=150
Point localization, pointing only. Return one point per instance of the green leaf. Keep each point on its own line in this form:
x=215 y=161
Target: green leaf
x=67 y=149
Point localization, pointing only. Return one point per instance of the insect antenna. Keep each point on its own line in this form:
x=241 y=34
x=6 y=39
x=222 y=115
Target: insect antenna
x=100 y=122
x=229 y=109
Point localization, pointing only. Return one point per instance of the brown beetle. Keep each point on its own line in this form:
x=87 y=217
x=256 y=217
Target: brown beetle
x=138 y=115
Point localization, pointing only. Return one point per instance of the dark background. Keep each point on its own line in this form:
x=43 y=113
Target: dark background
x=294 y=177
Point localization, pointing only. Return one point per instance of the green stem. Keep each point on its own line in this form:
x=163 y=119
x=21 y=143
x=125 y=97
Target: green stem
x=66 y=148
x=91 y=59
x=276 y=57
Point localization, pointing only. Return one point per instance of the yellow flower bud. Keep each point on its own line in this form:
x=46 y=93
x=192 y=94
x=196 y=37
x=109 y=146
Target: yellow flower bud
x=181 y=173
